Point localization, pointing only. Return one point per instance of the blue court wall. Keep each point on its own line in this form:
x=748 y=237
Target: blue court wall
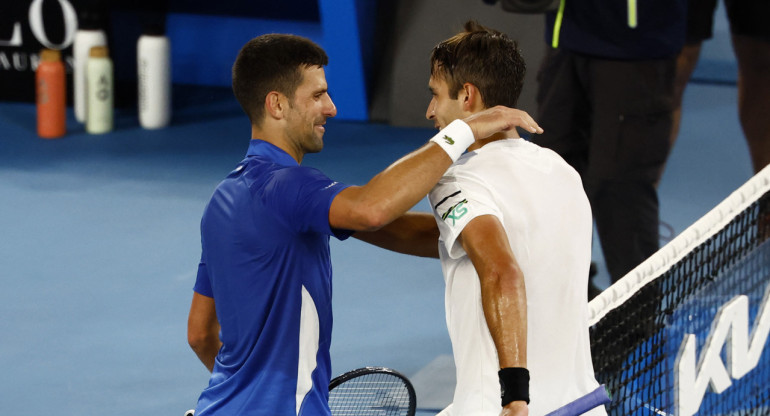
x=204 y=46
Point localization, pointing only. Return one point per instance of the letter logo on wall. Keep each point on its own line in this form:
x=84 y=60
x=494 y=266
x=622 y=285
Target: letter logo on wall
x=730 y=328
x=26 y=28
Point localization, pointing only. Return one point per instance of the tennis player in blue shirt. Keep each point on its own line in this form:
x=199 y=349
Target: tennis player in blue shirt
x=261 y=318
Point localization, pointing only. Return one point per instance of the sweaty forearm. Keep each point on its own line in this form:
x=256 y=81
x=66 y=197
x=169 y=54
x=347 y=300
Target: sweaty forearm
x=404 y=183
x=504 y=301
x=503 y=291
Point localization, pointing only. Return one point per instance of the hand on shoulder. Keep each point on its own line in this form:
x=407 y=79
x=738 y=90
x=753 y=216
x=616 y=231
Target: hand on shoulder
x=499 y=118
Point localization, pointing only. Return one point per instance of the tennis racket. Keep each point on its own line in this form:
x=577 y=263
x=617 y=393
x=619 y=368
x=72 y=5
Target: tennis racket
x=372 y=391
x=583 y=404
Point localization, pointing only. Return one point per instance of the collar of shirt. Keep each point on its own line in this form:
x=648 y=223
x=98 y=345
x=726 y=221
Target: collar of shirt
x=270 y=151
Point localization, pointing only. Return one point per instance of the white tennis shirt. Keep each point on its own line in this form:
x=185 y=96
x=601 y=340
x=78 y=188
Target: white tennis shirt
x=541 y=203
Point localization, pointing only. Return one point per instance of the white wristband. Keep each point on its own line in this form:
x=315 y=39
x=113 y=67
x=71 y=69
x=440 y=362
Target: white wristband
x=454 y=138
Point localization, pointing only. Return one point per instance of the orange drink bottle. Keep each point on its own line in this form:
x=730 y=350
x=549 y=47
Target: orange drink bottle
x=51 y=95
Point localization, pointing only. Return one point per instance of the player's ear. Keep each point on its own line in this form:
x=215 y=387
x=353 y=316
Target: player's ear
x=275 y=104
x=470 y=96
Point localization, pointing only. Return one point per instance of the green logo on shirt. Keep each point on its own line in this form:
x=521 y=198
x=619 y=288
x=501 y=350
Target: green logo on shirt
x=456 y=212
x=450 y=141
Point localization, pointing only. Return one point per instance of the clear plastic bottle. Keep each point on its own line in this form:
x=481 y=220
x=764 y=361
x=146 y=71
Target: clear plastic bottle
x=51 y=96
x=154 y=78
x=100 y=89
x=90 y=33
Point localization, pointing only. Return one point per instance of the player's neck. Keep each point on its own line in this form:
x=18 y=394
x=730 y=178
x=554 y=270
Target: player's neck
x=478 y=144
x=277 y=137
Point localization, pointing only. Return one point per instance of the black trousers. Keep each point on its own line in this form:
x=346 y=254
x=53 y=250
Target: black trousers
x=611 y=121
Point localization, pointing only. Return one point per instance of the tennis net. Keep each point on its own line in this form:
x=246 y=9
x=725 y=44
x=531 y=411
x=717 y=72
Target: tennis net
x=686 y=331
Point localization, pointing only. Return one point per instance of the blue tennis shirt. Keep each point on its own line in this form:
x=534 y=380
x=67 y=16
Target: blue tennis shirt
x=265 y=260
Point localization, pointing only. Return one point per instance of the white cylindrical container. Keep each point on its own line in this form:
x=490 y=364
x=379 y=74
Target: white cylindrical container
x=153 y=53
x=99 y=91
x=88 y=35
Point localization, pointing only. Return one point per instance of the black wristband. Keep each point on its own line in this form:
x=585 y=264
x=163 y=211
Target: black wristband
x=514 y=384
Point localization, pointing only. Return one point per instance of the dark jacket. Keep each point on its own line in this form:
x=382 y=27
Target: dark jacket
x=619 y=29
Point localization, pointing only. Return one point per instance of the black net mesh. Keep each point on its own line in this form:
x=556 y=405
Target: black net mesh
x=637 y=347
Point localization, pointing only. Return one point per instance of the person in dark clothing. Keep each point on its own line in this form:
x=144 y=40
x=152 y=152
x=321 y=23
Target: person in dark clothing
x=605 y=101
x=750 y=36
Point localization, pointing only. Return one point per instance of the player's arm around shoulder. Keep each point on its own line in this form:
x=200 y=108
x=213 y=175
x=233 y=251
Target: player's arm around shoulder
x=401 y=185
x=389 y=194
x=414 y=233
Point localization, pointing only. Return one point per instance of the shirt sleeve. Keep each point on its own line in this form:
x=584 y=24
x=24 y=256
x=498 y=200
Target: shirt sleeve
x=202 y=282
x=302 y=197
x=455 y=201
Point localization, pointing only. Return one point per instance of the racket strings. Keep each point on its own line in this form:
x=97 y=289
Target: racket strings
x=371 y=395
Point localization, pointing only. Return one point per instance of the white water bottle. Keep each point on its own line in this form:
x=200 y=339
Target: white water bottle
x=89 y=34
x=153 y=53
x=100 y=88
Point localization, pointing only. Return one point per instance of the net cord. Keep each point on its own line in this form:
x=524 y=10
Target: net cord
x=676 y=249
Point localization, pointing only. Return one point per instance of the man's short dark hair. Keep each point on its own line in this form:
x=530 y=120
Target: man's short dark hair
x=484 y=57
x=272 y=62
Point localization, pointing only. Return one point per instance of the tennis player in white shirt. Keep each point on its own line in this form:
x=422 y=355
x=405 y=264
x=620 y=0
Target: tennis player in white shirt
x=515 y=245
x=514 y=239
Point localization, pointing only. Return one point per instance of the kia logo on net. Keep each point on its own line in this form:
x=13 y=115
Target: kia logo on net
x=730 y=328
